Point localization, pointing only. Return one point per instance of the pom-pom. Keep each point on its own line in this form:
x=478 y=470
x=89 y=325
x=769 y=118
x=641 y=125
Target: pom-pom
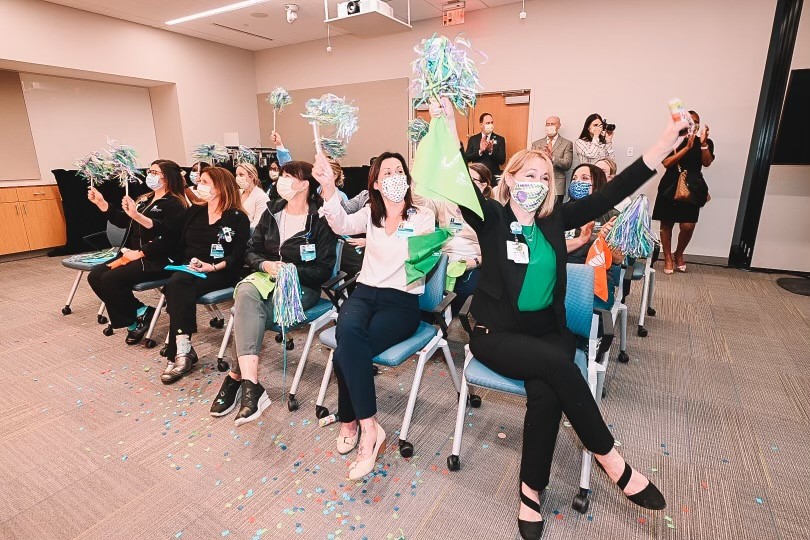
x=632 y=232
x=244 y=154
x=211 y=152
x=445 y=68
x=417 y=129
x=279 y=98
x=95 y=167
x=332 y=111
x=287 y=308
x=124 y=161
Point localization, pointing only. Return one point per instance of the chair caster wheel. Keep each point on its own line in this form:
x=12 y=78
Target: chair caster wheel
x=290 y=344
x=581 y=503
x=375 y=370
x=108 y=331
x=150 y=343
x=222 y=365
x=292 y=403
x=217 y=323
x=453 y=463
x=102 y=319
x=651 y=312
x=623 y=357
x=604 y=393
x=405 y=449
x=66 y=310
x=279 y=338
x=164 y=351
x=321 y=411
x=475 y=401
x=642 y=332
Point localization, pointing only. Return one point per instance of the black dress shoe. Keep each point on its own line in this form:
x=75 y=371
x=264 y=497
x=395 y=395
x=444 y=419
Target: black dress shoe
x=254 y=401
x=530 y=530
x=227 y=397
x=135 y=336
x=649 y=497
x=182 y=365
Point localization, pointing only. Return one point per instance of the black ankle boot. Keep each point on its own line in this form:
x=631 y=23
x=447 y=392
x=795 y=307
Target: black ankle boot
x=135 y=336
x=530 y=530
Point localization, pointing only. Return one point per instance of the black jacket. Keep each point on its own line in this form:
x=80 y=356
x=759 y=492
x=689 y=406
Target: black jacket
x=264 y=245
x=492 y=162
x=495 y=302
x=172 y=244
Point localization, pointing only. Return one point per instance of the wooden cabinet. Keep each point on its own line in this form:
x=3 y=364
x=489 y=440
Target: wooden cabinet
x=30 y=218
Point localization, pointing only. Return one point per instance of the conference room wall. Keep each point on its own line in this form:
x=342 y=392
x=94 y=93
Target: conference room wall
x=215 y=84
x=623 y=59
x=18 y=157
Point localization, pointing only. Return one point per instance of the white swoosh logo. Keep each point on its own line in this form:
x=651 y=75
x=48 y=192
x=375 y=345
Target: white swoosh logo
x=452 y=162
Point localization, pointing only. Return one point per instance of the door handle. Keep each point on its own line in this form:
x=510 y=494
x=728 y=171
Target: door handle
x=39 y=193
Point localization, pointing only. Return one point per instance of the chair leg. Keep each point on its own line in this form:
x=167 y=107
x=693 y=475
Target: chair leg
x=73 y=289
x=454 y=460
x=314 y=326
x=222 y=365
x=642 y=331
x=158 y=309
x=451 y=366
x=650 y=308
x=100 y=315
x=320 y=410
x=405 y=448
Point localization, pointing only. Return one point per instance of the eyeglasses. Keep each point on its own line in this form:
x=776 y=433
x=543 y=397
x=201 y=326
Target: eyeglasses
x=154 y=172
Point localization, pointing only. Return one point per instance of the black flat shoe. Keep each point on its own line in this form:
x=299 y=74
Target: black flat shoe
x=649 y=497
x=135 y=336
x=530 y=530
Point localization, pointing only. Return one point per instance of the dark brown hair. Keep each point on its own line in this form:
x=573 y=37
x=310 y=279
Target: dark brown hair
x=598 y=178
x=173 y=176
x=375 y=198
x=486 y=177
x=586 y=135
x=303 y=171
x=226 y=186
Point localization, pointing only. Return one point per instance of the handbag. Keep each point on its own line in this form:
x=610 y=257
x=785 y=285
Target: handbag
x=697 y=193
x=682 y=192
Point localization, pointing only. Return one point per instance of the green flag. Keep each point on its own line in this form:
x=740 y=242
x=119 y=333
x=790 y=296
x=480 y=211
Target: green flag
x=439 y=169
x=424 y=252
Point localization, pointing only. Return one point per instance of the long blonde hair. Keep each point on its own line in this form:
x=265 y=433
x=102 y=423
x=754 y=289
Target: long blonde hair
x=252 y=172
x=519 y=160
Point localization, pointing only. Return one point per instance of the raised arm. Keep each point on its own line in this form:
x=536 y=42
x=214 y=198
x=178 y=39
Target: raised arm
x=340 y=222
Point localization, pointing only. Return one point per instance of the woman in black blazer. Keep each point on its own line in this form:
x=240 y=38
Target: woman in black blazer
x=519 y=307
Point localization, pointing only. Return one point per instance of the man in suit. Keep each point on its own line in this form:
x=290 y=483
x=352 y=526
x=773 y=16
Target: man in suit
x=561 y=152
x=487 y=147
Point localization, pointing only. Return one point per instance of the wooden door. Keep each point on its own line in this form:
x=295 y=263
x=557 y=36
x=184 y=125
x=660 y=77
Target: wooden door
x=462 y=123
x=44 y=223
x=12 y=229
x=511 y=121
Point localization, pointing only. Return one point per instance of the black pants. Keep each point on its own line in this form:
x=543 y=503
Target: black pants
x=465 y=287
x=370 y=321
x=554 y=385
x=114 y=288
x=181 y=298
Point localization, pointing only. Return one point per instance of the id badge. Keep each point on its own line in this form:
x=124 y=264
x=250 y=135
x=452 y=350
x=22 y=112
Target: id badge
x=517 y=252
x=216 y=251
x=405 y=230
x=455 y=225
x=571 y=234
x=307 y=252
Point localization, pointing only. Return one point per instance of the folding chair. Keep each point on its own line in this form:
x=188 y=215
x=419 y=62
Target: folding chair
x=318 y=316
x=642 y=270
x=115 y=236
x=618 y=311
x=585 y=323
x=427 y=339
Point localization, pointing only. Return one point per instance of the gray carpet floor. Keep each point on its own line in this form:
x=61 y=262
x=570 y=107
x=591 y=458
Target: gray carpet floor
x=714 y=406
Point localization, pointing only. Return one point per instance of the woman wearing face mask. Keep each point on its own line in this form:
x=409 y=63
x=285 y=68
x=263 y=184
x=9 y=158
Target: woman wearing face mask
x=254 y=200
x=210 y=239
x=145 y=220
x=274 y=170
x=519 y=307
x=384 y=309
x=594 y=142
x=290 y=231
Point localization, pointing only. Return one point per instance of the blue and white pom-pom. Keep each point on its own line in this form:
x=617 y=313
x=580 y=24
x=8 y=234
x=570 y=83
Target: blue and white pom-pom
x=124 y=160
x=332 y=111
x=95 y=167
x=632 y=232
x=244 y=154
x=417 y=129
x=279 y=98
x=212 y=153
x=287 y=308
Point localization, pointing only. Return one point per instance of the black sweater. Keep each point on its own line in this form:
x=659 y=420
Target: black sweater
x=264 y=245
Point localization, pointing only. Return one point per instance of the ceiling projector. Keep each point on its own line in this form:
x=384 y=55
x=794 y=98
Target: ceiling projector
x=353 y=7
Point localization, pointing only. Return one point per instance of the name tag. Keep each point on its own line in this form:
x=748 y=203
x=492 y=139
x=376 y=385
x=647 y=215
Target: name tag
x=517 y=252
x=217 y=252
x=405 y=230
x=570 y=235
x=456 y=225
x=307 y=252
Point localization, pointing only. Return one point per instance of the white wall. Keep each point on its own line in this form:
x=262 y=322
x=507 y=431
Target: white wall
x=70 y=118
x=215 y=84
x=622 y=59
x=783 y=238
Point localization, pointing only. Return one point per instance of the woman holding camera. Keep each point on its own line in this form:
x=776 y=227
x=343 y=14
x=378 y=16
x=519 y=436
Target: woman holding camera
x=596 y=140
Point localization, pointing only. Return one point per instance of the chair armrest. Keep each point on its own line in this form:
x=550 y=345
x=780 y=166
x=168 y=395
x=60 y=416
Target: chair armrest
x=335 y=280
x=91 y=243
x=331 y=291
x=438 y=311
x=464 y=316
x=338 y=292
x=605 y=332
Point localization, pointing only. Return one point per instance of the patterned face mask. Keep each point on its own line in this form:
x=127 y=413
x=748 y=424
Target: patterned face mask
x=394 y=187
x=529 y=195
x=579 y=189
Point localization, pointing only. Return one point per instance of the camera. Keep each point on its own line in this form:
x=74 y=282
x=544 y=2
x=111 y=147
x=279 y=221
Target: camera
x=352 y=7
x=292 y=12
x=609 y=128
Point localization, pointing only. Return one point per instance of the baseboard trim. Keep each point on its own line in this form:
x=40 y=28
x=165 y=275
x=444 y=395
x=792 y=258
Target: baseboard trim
x=24 y=255
x=706 y=259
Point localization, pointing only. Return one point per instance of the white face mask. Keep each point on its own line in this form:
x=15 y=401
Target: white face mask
x=489 y=128
x=529 y=195
x=153 y=182
x=394 y=187
x=204 y=192
x=551 y=131
x=194 y=177
x=285 y=189
x=273 y=175
x=242 y=182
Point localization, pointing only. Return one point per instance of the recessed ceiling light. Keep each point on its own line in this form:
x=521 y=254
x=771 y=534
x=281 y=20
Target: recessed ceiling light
x=259 y=15
x=217 y=11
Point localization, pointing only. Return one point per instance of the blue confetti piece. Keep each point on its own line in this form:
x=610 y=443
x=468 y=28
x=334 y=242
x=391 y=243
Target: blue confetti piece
x=179 y=534
x=759 y=500
x=226 y=532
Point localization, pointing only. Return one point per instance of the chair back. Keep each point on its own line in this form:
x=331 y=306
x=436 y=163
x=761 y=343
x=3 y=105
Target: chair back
x=579 y=299
x=115 y=235
x=338 y=256
x=434 y=286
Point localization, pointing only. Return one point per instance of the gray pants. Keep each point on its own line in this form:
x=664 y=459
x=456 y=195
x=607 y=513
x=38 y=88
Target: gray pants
x=254 y=315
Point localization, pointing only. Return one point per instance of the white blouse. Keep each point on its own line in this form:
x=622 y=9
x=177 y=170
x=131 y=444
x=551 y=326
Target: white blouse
x=255 y=205
x=384 y=260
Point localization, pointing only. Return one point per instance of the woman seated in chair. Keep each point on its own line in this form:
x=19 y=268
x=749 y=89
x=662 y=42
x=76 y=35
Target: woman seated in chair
x=519 y=307
x=384 y=309
x=290 y=231
x=210 y=239
x=145 y=219
x=254 y=199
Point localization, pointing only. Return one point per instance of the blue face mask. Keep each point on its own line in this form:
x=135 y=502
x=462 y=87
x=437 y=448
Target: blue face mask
x=579 y=189
x=153 y=182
